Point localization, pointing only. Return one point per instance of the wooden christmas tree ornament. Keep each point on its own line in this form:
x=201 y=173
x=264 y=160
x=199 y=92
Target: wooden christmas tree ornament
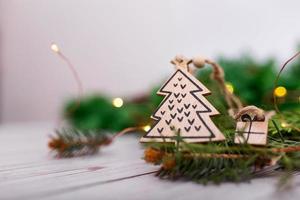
x=184 y=109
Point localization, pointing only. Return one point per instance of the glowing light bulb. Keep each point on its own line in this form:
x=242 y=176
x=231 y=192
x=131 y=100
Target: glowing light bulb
x=284 y=125
x=117 y=102
x=229 y=87
x=146 y=128
x=54 y=47
x=280 y=91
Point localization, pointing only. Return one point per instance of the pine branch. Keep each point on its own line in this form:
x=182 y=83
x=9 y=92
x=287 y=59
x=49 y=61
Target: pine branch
x=221 y=162
x=72 y=142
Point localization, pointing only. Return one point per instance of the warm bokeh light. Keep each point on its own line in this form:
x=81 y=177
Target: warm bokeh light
x=146 y=128
x=284 y=125
x=280 y=91
x=54 y=48
x=117 y=102
x=230 y=87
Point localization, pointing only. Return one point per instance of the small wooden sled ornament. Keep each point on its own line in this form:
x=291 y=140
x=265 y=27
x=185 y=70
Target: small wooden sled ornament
x=184 y=110
x=251 y=130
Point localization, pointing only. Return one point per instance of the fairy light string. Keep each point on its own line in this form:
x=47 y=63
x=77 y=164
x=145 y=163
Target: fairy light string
x=281 y=92
x=117 y=102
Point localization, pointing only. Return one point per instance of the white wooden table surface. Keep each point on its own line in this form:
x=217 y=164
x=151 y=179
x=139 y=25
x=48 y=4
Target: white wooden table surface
x=28 y=171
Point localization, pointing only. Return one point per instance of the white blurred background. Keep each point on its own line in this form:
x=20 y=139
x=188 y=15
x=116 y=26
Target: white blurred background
x=123 y=47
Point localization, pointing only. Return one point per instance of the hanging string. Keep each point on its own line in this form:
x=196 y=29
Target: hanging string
x=277 y=79
x=232 y=101
x=75 y=74
x=219 y=76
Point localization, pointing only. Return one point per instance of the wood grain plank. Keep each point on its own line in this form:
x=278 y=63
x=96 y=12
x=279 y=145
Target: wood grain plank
x=28 y=171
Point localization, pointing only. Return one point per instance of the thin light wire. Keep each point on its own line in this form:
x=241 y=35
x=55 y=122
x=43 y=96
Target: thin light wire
x=77 y=80
x=277 y=78
x=127 y=130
